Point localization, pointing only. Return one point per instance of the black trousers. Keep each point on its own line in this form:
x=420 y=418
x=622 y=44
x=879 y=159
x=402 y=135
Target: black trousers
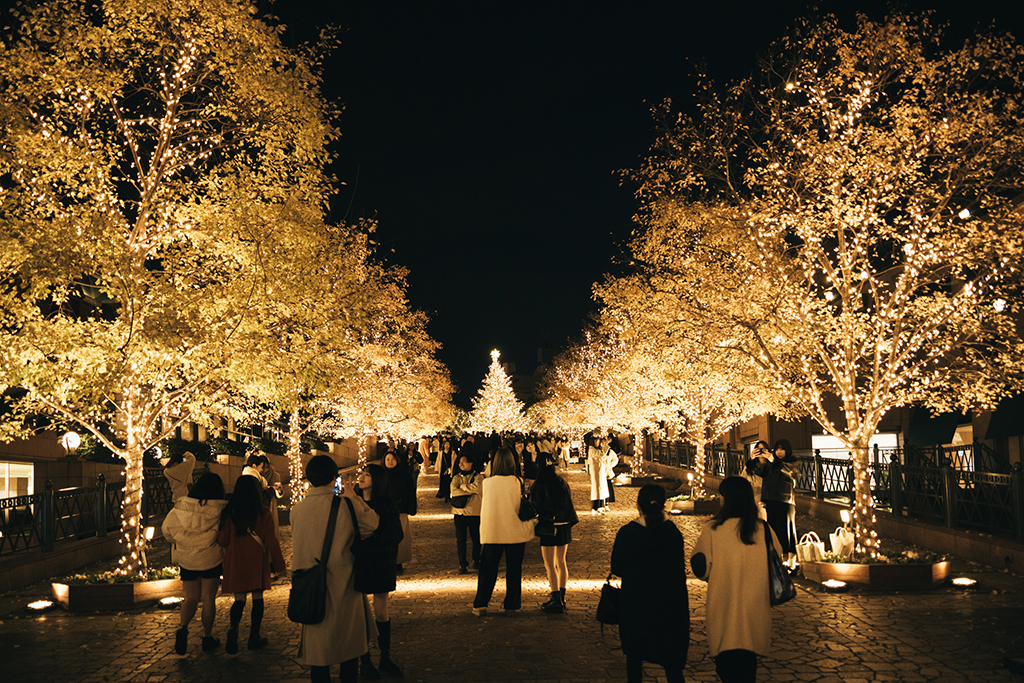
x=490 y=558
x=736 y=666
x=467 y=525
x=635 y=671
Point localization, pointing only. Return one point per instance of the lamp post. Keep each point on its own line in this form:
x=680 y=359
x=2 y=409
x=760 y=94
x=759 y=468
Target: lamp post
x=70 y=441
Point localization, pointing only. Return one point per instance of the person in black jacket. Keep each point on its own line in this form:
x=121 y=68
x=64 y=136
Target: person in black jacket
x=654 y=610
x=556 y=516
x=372 y=487
x=776 y=470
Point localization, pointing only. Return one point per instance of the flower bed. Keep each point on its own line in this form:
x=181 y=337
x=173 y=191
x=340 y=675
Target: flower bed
x=113 y=591
x=689 y=505
x=668 y=483
x=881 y=576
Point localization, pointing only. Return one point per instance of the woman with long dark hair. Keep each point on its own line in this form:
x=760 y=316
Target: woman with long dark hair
x=401 y=488
x=247 y=535
x=556 y=514
x=372 y=487
x=654 y=616
x=192 y=527
x=776 y=470
x=731 y=556
x=445 y=463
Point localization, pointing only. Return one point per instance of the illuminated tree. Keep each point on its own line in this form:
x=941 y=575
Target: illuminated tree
x=495 y=407
x=157 y=162
x=854 y=206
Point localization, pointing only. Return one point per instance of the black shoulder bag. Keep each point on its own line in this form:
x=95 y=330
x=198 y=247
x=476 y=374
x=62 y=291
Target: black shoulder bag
x=307 y=599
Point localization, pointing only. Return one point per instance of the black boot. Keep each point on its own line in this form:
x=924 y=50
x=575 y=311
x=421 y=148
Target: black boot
x=387 y=666
x=181 y=640
x=553 y=600
x=367 y=670
x=255 y=640
x=556 y=606
x=237 y=607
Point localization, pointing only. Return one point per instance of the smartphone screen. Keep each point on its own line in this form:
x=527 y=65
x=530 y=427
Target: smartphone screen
x=339 y=487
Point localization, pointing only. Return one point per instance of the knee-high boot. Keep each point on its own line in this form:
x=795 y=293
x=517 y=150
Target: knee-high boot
x=255 y=640
x=384 y=642
x=234 y=618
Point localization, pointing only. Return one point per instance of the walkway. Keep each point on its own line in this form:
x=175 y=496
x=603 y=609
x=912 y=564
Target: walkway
x=935 y=636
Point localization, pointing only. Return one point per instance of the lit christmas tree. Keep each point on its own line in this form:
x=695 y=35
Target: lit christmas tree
x=496 y=407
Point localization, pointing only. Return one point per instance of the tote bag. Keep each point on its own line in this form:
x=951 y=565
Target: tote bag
x=780 y=585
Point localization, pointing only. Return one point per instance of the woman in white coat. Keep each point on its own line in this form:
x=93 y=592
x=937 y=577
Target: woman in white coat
x=192 y=527
x=501 y=532
x=343 y=636
x=601 y=461
x=731 y=556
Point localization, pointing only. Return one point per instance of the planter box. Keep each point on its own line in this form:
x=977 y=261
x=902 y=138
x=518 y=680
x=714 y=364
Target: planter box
x=880 y=576
x=669 y=484
x=114 y=596
x=697 y=507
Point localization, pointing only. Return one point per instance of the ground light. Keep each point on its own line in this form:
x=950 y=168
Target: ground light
x=40 y=606
x=964 y=583
x=170 y=603
x=833 y=586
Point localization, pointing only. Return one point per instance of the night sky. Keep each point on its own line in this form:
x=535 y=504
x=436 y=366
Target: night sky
x=486 y=137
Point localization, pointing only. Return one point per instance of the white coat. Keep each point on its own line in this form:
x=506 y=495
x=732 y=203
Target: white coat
x=180 y=476
x=739 y=614
x=600 y=465
x=499 y=512
x=192 y=527
x=344 y=632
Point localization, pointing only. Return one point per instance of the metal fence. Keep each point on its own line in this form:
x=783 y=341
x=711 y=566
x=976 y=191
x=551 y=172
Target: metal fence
x=40 y=520
x=947 y=492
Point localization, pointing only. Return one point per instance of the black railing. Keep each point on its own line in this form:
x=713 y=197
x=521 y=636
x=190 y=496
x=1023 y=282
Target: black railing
x=42 y=519
x=948 y=492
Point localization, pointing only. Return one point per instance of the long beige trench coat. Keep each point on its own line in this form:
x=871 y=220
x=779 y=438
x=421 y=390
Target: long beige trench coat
x=345 y=631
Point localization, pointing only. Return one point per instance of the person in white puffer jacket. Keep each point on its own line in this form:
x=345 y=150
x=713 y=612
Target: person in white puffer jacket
x=192 y=527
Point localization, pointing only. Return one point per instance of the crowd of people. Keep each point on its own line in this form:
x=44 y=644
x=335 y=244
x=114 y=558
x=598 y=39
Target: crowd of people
x=503 y=491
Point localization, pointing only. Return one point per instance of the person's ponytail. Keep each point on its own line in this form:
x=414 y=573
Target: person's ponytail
x=651 y=503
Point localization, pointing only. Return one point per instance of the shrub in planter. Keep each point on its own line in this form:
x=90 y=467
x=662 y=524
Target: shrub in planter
x=890 y=570
x=115 y=591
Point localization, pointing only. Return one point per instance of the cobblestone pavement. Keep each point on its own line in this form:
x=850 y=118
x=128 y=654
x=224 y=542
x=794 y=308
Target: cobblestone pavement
x=940 y=635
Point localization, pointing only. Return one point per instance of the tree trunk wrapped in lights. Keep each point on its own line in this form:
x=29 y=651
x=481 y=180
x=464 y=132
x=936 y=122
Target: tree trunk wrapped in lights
x=156 y=157
x=846 y=218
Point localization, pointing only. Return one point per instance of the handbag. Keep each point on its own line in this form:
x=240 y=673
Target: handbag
x=842 y=541
x=545 y=527
x=460 y=501
x=307 y=598
x=780 y=585
x=526 y=509
x=810 y=548
x=608 y=605
x=362 y=564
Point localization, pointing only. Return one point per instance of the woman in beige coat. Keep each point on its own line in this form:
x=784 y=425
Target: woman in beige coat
x=731 y=556
x=342 y=637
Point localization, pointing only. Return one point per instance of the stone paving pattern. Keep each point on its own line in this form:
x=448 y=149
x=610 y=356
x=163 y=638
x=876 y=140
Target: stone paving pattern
x=940 y=635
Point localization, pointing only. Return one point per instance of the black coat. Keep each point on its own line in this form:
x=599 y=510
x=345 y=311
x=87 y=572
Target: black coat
x=654 y=612
x=383 y=545
x=402 y=488
x=776 y=479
